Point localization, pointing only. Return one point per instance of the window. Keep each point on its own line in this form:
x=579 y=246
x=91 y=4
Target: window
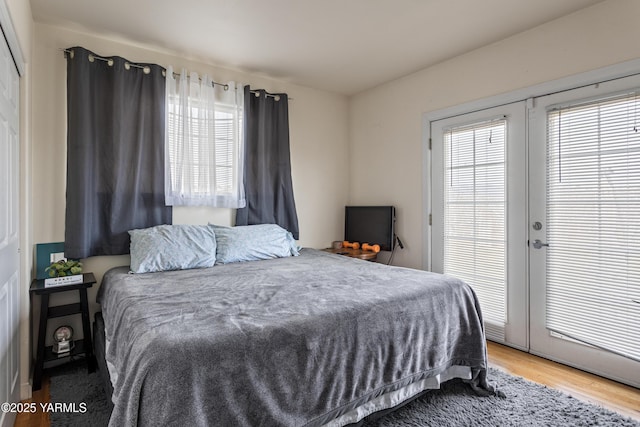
x=204 y=142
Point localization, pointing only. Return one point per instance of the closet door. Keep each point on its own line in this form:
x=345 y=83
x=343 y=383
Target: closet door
x=9 y=233
x=585 y=228
x=479 y=213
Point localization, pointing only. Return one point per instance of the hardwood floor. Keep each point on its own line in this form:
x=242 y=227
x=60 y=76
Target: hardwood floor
x=39 y=419
x=581 y=385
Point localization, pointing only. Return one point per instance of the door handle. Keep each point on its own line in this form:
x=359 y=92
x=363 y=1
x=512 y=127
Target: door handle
x=538 y=244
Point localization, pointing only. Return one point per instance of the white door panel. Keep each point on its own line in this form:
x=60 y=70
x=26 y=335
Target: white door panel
x=479 y=213
x=9 y=233
x=583 y=194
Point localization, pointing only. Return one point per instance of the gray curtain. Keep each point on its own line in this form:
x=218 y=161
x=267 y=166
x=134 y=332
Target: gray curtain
x=267 y=171
x=115 y=153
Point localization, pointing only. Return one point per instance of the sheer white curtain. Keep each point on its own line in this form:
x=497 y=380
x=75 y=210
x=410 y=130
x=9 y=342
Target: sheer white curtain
x=204 y=147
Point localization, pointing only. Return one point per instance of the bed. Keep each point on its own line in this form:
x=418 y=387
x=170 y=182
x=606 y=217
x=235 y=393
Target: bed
x=311 y=340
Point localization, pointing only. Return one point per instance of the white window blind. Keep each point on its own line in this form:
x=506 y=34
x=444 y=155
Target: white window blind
x=593 y=205
x=204 y=142
x=475 y=212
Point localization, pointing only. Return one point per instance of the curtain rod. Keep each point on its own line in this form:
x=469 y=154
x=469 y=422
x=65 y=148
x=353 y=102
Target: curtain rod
x=146 y=69
x=269 y=95
x=128 y=64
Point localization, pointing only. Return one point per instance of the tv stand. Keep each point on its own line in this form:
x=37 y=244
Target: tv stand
x=354 y=253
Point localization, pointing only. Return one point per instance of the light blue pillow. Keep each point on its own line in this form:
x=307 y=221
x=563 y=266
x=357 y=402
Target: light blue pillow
x=253 y=242
x=172 y=247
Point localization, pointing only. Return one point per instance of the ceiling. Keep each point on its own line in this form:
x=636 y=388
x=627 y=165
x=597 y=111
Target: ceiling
x=342 y=46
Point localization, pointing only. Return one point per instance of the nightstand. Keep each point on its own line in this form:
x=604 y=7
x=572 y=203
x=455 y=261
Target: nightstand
x=354 y=253
x=83 y=346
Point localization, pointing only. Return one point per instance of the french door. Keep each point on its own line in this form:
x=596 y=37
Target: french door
x=479 y=213
x=585 y=228
x=537 y=207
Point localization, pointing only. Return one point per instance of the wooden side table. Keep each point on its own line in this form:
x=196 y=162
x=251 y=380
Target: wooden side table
x=354 y=253
x=83 y=346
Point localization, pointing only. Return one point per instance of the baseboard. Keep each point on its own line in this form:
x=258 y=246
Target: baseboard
x=26 y=391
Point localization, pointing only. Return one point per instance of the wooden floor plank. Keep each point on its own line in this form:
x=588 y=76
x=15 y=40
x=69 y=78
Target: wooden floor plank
x=582 y=385
x=40 y=418
x=579 y=384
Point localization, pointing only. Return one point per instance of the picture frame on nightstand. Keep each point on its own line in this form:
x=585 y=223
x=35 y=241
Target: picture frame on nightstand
x=46 y=253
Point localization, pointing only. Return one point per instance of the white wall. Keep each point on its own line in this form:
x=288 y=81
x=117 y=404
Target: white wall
x=385 y=131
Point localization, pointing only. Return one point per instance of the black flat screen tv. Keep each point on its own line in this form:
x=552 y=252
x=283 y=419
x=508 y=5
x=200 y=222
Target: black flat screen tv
x=370 y=224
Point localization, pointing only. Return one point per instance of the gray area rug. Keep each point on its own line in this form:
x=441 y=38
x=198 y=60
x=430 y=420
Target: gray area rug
x=525 y=404
x=70 y=383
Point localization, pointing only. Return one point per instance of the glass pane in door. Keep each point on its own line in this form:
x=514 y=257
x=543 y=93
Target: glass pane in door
x=475 y=212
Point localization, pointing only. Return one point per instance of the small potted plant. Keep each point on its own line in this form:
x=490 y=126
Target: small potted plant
x=64 y=268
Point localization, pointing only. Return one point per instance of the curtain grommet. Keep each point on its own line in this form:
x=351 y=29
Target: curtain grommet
x=72 y=54
x=91 y=58
x=127 y=66
x=110 y=62
x=146 y=69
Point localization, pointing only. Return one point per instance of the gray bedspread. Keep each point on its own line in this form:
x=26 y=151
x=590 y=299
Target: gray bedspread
x=287 y=342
